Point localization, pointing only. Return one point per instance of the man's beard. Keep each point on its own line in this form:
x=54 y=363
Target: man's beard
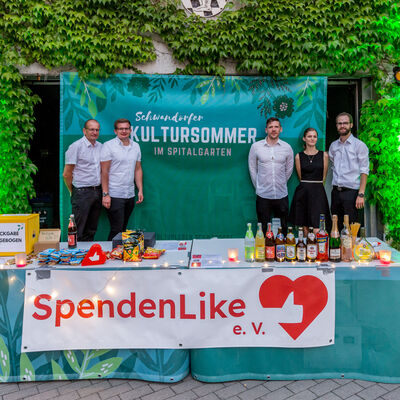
x=344 y=133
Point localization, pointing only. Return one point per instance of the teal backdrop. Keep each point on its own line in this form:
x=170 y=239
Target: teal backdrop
x=195 y=133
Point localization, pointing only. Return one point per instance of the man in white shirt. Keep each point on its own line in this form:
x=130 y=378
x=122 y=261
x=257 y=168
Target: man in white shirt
x=121 y=168
x=350 y=164
x=82 y=178
x=270 y=167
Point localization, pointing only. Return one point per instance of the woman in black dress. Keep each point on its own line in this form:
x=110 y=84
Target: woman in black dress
x=309 y=200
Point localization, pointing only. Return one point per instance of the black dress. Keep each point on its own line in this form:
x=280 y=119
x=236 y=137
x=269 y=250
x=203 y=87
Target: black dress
x=309 y=200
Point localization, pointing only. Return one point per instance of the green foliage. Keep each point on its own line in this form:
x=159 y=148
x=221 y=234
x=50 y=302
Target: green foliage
x=380 y=130
x=100 y=37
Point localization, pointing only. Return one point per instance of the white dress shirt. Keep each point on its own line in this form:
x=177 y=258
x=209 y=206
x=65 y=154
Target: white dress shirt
x=121 y=181
x=270 y=168
x=86 y=158
x=349 y=160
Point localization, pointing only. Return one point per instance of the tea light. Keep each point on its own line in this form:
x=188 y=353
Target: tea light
x=233 y=254
x=385 y=256
x=20 y=260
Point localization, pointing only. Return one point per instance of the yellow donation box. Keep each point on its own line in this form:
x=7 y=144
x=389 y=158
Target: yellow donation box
x=18 y=233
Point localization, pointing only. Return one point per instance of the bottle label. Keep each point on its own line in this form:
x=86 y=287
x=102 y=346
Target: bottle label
x=334 y=253
x=290 y=252
x=346 y=242
x=270 y=252
x=312 y=251
x=249 y=253
x=260 y=253
x=72 y=239
x=301 y=254
x=280 y=251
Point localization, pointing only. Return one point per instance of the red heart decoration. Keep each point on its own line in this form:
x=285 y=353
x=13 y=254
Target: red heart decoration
x=95 y=256
x=308 y=291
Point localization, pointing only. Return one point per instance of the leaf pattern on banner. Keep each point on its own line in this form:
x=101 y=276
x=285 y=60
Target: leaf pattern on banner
x=4 y=361
x=265 y=92
x=102 y=368
x=206 y=88
x=58 y=373
x=80 y=92
x=72 y=360
x=27 y=372
x=138 y=85
x=306 y=95
x=165 y=365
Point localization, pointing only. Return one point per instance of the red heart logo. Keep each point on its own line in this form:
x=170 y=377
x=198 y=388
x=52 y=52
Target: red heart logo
x=308 y=291
x=95 y=256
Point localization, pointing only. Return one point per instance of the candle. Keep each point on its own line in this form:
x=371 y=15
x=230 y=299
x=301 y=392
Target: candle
x=233 y=254
x=20 y=260
x=385 y=256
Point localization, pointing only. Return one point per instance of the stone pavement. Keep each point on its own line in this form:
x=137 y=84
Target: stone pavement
x=188 y=389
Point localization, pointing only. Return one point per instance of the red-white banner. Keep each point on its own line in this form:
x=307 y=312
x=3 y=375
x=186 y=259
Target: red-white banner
x=196 y=308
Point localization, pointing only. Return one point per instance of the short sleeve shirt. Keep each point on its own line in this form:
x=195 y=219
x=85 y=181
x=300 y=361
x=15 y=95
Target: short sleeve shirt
x=86 y=159
x=121 y=183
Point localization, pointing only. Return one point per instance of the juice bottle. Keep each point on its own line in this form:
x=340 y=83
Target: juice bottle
x=260 y=244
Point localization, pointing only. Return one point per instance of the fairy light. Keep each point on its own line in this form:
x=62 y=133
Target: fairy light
x=265 y=265
x=110 y=289
x=54 y=294
x=12 y=279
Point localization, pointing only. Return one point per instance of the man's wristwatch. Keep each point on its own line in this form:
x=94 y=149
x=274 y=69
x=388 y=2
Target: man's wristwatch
x=105 y=194
x=361 y=195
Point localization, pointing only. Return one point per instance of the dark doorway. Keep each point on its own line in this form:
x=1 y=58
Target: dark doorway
x=343 y=96
x=44 y=152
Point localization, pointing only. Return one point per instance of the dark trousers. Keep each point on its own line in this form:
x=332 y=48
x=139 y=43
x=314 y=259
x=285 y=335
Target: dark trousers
x=118 y=214
x=279 y=208
x=342 y=203
x=86 y=207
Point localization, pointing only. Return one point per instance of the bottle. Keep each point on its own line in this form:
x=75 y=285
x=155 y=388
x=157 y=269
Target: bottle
x=72 y=232
x=260 y=244
x=280 y=246
x=269 y=244
x=363 y=250
x=249 y=244
x=311 y=245
x=290 y=245
x=334 y=241
x=345 y=238
x=301 y=249
x=322 y=240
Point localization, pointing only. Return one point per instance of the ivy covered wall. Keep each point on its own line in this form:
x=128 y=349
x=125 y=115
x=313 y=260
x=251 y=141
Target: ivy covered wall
x=266 y=37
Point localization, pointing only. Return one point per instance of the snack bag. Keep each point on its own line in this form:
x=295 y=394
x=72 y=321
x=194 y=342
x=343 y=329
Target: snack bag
x=131 y=247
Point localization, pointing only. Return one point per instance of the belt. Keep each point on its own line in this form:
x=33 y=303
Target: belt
x=302 y=181
x=88 y=188
x=342 y=189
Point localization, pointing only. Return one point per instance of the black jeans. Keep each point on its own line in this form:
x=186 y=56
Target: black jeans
x=86 y=207
x=279 y=208
x=118 y=214
x=342 y=203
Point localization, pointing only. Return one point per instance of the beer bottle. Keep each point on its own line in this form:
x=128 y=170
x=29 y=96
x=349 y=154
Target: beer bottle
x=280 y=246
x=334 y=241
x=311 y=245
x=290 y=246
x=72 y=232
x=322 y=240
x=301 y=250
x=269 y=244
x=260 y=244
x=346 y=243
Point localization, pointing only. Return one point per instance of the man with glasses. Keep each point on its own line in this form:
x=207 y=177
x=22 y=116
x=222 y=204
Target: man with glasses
x=82 y=178
x=350 y=164
x=121 y=168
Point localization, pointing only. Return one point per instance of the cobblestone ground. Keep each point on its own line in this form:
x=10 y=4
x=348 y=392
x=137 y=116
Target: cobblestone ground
x=188 y=389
